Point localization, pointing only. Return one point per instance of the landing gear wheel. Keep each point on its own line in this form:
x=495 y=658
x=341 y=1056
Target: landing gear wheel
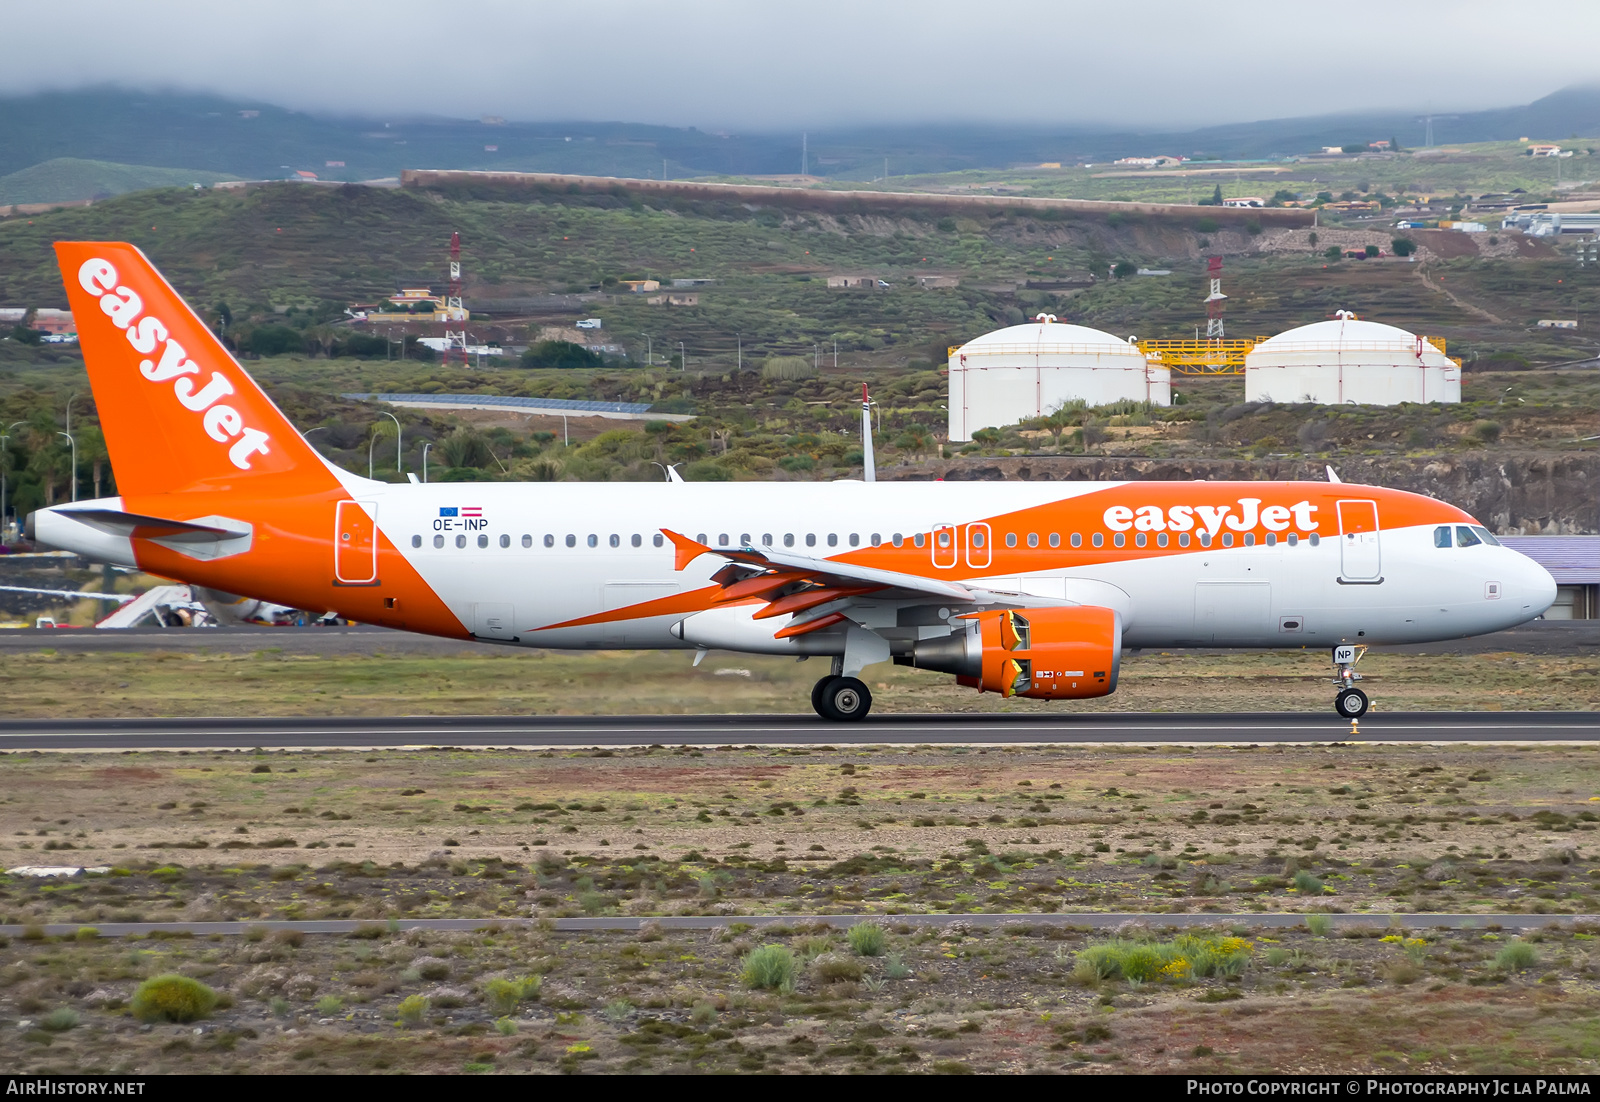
x=1350 y=703
x=845 y=699
x=816 y=695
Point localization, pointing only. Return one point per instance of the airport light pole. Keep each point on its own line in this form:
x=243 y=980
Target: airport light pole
x=399 y=448
x=74 y=444
x=683 y=358
x=370 y=445
x=425 y=448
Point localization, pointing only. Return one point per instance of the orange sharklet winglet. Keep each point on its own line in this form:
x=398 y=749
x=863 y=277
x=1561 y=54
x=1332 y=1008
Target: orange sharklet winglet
x=685 y=550
x=808 y=626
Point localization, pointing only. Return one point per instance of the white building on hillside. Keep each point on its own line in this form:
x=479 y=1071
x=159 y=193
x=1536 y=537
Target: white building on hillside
x=1029 y=370
x=1349 y=361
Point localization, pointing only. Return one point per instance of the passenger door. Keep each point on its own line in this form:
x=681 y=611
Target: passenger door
x=355 y=543
x=1360 y=557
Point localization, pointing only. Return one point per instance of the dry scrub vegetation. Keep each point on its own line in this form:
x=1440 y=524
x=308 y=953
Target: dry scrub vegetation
x=876 y=832
x=53 y=684
x=1019 y=998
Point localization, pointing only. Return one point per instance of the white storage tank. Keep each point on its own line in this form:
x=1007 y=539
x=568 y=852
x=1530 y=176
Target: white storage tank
x=1029 y=370
x=1347 y=361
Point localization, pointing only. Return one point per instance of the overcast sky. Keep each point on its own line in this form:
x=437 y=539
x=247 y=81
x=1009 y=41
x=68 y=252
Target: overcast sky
x=772 y=66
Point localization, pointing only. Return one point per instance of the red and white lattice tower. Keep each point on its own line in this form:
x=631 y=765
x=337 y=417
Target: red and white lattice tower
x=454 y=311
x=1214 y=300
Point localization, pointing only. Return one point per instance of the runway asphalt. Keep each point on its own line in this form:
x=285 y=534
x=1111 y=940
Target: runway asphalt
x=1089 y=920
x=553 y=732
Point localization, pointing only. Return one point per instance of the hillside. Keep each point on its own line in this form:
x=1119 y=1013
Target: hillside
x=68 y=178
x=257 y=140
x=282 y=246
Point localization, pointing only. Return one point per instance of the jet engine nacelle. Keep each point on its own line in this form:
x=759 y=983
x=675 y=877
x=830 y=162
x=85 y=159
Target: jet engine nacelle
x=1045 y=653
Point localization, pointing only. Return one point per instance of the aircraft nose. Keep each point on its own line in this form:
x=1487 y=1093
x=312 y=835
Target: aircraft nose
x=1530 y=587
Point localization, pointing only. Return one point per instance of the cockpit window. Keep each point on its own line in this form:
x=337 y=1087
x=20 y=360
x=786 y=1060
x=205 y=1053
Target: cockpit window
x=1441 y=536
x=1465 y=536
x=1486 y=536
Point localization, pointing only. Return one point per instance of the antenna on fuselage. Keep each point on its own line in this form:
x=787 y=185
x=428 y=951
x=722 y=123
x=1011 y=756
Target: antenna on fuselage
x=869 y=468
x=1332 y=477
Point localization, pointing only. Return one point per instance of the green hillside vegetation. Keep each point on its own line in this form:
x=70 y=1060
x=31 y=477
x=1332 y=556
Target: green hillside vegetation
x=281 y=261
x=67 y=178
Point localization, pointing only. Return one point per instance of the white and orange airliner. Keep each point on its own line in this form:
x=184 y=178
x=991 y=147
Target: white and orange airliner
x=1029 y=589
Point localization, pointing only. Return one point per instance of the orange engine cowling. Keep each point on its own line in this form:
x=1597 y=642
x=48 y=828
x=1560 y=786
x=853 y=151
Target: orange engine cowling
x=1049 y=653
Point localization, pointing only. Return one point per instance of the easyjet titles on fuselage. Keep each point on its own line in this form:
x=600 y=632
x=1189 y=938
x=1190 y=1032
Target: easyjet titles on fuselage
x=221 y=422
x=1212 y=518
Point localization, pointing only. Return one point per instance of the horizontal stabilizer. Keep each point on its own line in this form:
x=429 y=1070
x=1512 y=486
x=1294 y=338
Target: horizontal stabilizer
x=137 y=525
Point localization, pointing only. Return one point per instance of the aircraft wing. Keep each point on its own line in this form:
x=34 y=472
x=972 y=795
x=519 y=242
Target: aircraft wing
x=794 y=583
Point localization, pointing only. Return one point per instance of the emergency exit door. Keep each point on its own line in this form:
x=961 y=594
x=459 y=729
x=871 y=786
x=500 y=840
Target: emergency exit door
x=355 y=543
x=1360 y=557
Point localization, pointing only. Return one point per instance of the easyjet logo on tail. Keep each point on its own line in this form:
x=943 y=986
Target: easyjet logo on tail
x=220 y=421
x=1212 y=518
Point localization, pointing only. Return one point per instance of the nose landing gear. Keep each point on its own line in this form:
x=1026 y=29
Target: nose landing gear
x=1349 y=701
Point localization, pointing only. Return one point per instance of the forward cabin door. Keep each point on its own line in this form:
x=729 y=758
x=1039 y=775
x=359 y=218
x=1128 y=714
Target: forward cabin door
x=355 y=543
x=1361 y=557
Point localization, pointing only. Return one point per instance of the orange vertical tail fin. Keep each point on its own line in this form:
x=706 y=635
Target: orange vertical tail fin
x=177 y=411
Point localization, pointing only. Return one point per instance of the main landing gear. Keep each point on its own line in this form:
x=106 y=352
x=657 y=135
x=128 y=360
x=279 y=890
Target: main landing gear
x=1350 y=702
x=842 y=699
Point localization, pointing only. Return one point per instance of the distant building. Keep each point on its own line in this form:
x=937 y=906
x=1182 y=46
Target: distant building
x=1549 y=223
x=1557 y=323
x=693 y=282
x=57 y=323
x=1050 y=164
x=938 y=281
x=1333 y=149
x=639 y=286
x=674 y=298
x=1574 y=562
x=302 y=174
x=1381 y=143
x=1463 y=227
x=332 y=164
x=842 y=281
x=1245 y=201
x=1540 y=149
x=1353 y=206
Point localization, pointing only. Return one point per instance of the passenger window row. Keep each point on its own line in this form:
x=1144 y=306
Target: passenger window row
x=504 y=540
x=1465 y=537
